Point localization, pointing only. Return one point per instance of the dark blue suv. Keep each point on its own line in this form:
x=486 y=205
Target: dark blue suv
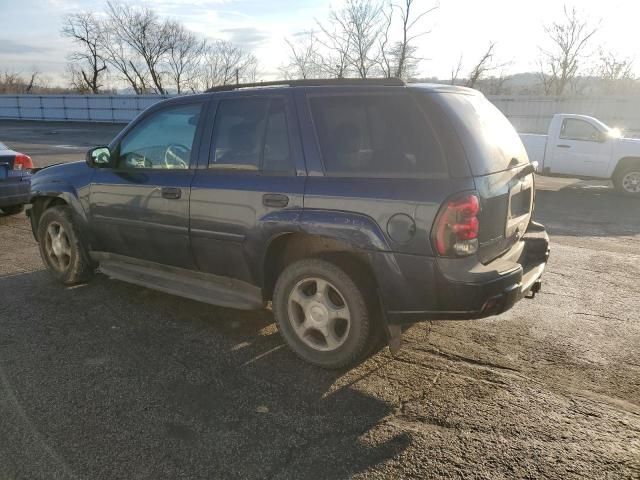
x=354 y=207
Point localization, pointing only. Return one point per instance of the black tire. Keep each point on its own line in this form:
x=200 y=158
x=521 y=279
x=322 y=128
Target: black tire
x=77 y=266
x=359 y=298
x=12 y=209
x=619 y=176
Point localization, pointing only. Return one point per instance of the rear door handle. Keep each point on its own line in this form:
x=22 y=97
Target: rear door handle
x=563 y=146
x=171 y=193
x=275 y=200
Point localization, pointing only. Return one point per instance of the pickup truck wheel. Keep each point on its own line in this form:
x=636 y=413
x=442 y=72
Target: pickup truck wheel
x=12 y=210
x=627 y=181
x=61 y=246
x=322 y=313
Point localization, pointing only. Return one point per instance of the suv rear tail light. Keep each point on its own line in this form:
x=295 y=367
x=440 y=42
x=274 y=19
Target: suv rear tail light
x=456 y=229
x=22 y=162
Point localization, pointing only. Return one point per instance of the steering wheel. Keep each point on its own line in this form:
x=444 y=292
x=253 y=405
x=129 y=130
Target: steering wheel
x=138 y=160
x=175 y=155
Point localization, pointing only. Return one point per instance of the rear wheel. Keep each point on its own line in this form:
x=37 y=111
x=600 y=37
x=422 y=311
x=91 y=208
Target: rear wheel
x=12 y=209
x=62 y=248
x=627 y=180
x=322 y=313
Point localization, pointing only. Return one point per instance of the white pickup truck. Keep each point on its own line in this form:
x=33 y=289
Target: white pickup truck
x=584 y=147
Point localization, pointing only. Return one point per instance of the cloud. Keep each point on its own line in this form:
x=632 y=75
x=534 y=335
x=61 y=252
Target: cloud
x=10 y=47
x=247 y=37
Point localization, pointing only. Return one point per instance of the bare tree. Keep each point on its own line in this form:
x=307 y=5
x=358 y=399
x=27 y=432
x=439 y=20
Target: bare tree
x=360 y=23
x=145 y=34
x=386 y=57
x=334 y=57
x=455 y=71
x=184 y=55
x=126 y=62
x=494 y=84
x=405 y=49
x=85 y=31
x=614 y=72
x=10 y=82
x=32 y=81
x=612 y=66
x=225 y=63
x=560 y=63
x=485 y=64
x=304 y=58
x=17 y=82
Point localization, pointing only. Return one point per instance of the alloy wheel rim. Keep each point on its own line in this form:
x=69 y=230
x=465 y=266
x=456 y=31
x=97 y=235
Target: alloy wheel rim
x=631 y=182
x=319 y=315
x=58 y=246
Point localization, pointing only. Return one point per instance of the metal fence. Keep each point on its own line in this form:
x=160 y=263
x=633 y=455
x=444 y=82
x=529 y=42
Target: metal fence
x=528 y=114
x=87 y=108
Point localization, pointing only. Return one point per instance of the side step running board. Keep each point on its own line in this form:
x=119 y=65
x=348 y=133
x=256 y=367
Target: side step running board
x=203 y=287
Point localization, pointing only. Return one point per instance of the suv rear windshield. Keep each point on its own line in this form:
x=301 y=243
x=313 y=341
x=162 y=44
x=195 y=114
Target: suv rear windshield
x=490 y=141
x=369 y=135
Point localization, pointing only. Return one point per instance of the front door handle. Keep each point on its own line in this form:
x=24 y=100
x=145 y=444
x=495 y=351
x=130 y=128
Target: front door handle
x=563 y=146
x=275 y=200
x=171 y=193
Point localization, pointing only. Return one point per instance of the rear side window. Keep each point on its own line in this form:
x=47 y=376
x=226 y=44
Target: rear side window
x=385 y=136
x=251 y=134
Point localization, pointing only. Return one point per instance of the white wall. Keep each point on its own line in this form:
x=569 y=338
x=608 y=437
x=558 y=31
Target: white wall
x=533 y=114
x=528 y=114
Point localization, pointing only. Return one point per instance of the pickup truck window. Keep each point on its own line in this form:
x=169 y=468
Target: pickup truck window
x=574 y=129
x=251 y=134
x=161 y=141
x=384 y=136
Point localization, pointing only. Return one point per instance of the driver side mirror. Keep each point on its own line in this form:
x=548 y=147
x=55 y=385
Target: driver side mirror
x=99 y=157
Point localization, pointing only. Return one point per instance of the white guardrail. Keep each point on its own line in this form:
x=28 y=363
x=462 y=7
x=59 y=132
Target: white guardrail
x=84 y=108
x=528 y=114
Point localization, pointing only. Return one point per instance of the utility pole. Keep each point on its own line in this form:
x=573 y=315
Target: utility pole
x=237 y=76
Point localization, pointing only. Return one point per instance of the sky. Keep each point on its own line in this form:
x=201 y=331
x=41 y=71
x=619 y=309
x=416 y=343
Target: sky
x=30 y=38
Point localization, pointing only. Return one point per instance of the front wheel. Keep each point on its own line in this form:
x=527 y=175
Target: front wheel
x=627 y=181
x=323 y=314
x=62 y=248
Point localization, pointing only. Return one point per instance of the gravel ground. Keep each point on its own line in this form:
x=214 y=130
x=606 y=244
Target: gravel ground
x=108 y=380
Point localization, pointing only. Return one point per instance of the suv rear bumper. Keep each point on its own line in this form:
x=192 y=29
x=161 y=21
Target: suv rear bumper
x=461 y=289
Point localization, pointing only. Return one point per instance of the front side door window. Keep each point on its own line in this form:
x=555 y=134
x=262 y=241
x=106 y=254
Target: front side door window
x=573 y=129
x=164 y=140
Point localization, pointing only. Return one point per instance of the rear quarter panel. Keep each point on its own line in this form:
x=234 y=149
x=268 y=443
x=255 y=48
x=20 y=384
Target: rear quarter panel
x=376 y=199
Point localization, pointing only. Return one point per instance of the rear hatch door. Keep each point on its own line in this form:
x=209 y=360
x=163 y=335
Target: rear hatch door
x=500 y=167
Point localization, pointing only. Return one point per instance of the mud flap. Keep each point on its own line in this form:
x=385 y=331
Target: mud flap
x=395 y=338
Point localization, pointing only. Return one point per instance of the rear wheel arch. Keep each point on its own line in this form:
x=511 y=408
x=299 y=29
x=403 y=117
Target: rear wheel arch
x=625 y=162
x=288 y=248
x=625 y=166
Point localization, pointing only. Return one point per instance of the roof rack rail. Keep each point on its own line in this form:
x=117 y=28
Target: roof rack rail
x=392 y=82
